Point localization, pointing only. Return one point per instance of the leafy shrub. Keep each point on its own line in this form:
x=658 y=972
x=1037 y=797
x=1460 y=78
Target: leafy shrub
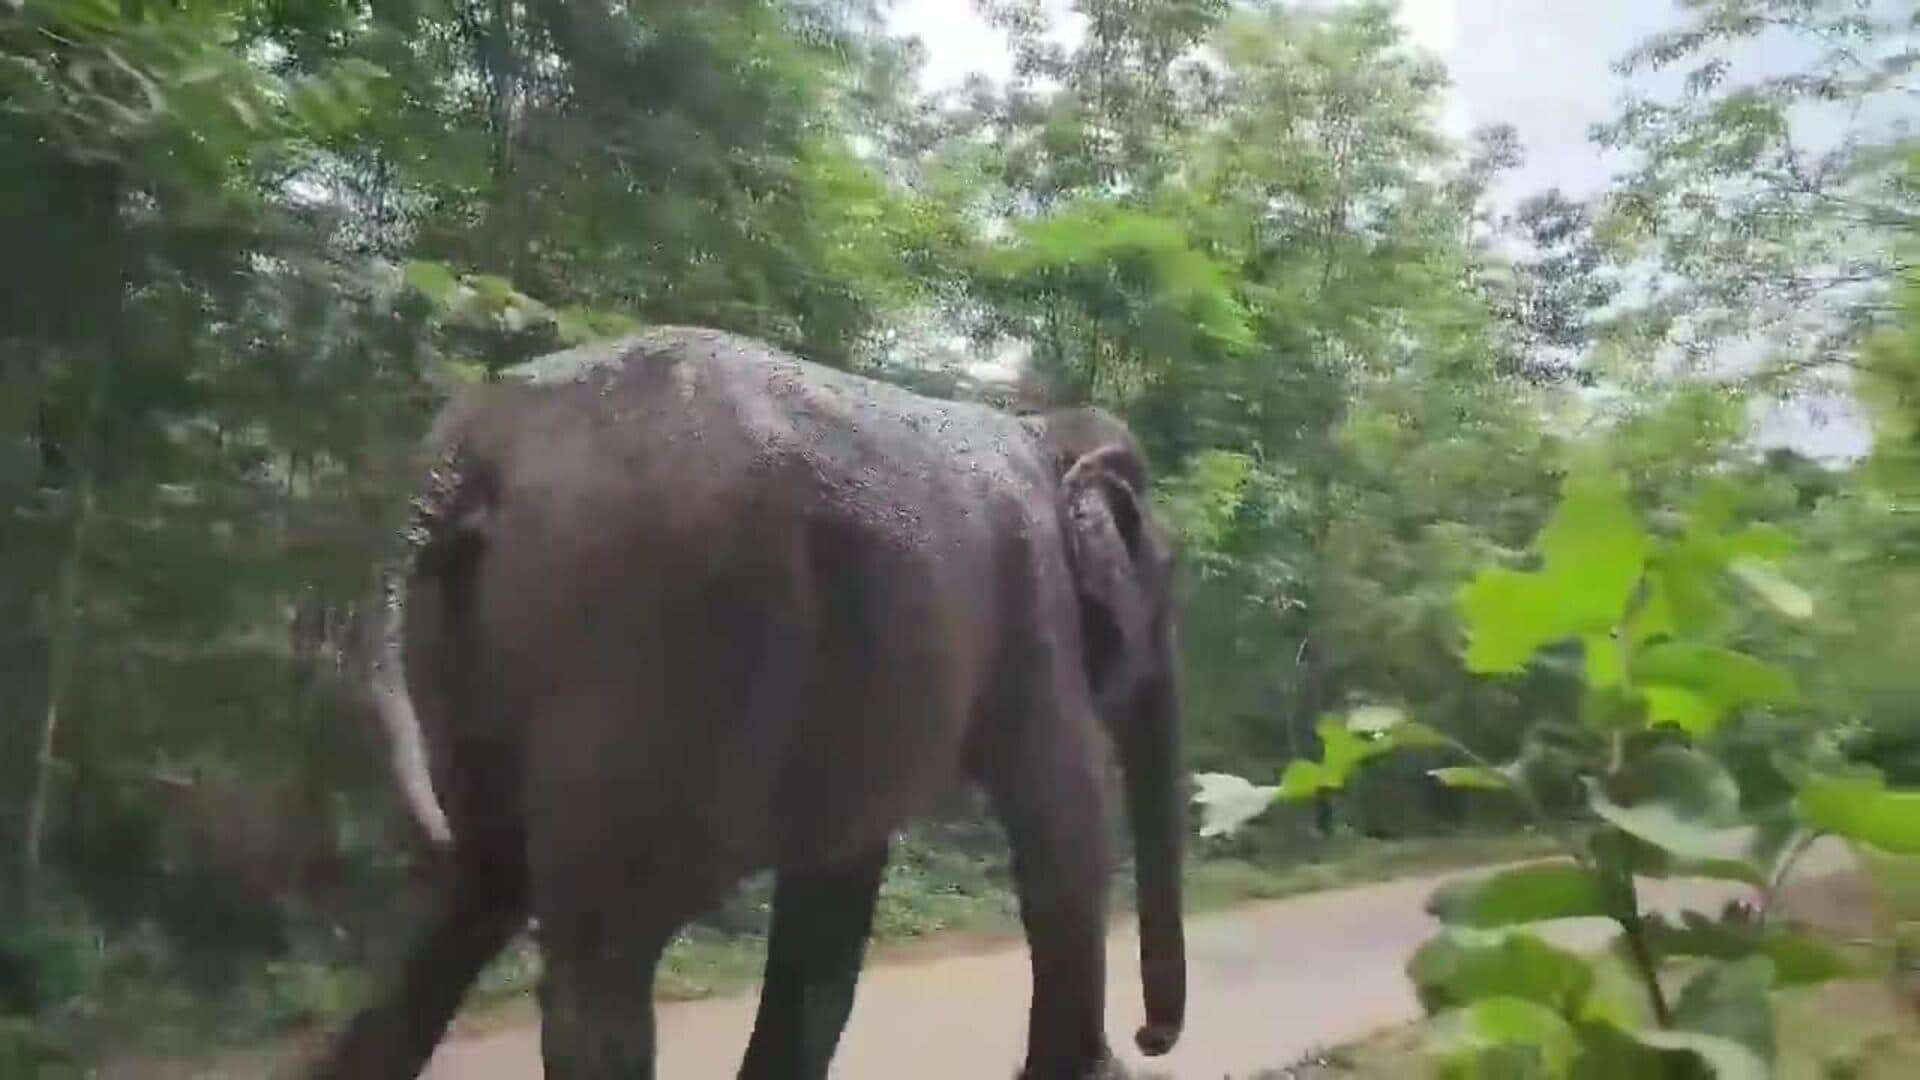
x=1686 y=772
x=43 y=967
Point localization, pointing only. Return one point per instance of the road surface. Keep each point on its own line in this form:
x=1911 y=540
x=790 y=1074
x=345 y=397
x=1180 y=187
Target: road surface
x=1268 y=983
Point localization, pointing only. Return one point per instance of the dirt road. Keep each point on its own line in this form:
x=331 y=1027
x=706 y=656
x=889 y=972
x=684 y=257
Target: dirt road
x=1269 y=982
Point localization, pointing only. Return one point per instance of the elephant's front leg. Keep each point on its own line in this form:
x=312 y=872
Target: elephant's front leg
x=1046 y=785
x=821 y=919
x=393 y=1038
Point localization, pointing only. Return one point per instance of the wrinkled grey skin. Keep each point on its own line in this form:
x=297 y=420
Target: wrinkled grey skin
x=683 y=607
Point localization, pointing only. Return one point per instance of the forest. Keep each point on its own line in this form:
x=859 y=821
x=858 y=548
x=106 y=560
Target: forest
x=250 y=245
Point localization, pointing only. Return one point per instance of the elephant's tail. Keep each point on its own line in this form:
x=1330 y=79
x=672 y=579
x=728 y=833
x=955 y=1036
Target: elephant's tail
x=445 y=537
x=406 y=744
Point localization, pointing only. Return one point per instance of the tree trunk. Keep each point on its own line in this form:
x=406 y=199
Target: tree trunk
x=64 y=644
x=86 y=317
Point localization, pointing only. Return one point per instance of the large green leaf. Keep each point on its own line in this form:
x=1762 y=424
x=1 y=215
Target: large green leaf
x=1727 y=1059
x=1670 y=706
x=1413 y=735
x=1523 y=894
x=1685 y=580
x=1699 y=787
x=1509 y=615
x=1762 y=542
x=1724 y=1017
x=1609 y=1052
x=1342 y=751
x=1460 y=966
x=1605 y=661
x=1618 y=996
x=1472 y=776
x=1720 y=679
x=1493 y=1025
x=1687 y=806
x=1594 y=550
x=1863 y=809
x=1706 y=852
x=1798 y=958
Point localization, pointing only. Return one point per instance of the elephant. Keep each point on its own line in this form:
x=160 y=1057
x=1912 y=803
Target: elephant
x=682 y=607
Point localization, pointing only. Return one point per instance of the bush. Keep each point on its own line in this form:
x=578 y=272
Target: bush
x=1686 y=772
x=43 y=967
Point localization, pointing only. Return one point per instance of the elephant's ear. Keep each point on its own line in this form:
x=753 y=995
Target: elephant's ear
x=1105 y=530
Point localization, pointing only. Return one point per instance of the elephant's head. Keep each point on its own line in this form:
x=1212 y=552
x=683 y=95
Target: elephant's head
x=1122 y=564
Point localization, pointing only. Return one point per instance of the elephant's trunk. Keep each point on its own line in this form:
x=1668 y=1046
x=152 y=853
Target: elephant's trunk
x=1150 y=758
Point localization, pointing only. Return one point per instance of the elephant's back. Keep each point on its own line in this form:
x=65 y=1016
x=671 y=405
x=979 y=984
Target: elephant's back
x=714 y=431
x=682 y=461
x=769 y=571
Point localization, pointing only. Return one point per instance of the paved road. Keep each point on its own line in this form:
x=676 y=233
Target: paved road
x=1269 y=982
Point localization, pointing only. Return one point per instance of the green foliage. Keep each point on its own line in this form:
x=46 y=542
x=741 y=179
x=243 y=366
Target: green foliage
x=1863 y=809
x=1342 y=751
x=1522 y=895
x=1765 y=192
x=1664 y=796
x=1505 y=1036
x=267 y=237
x=1592 y=553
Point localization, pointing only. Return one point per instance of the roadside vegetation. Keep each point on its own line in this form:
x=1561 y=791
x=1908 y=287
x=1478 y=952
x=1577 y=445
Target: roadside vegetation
x=1486 y=546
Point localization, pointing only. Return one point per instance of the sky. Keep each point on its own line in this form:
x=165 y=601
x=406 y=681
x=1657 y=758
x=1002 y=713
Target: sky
x=1543 y=66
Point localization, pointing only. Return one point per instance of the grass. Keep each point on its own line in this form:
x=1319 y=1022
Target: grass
x=1218 y=883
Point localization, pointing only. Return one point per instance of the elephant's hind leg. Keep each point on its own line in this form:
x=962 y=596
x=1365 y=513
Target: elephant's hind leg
x=821 y=919
x=596 y=1001
x=393 y=1037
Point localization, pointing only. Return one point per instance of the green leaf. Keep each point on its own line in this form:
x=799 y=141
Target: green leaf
x=432 y=279
x=1523 y=894
x=1413 y=736
x=581 y=325
x=1595 y=550
x=1605 y=663
x=1227 y=802
x=1728 y=1003
x=1798 y=958
x=1764 y=542
x=1342 y=751
x=1766 y=583
x=1864 y=810
x=1659 y=825
x=1699 y=787
x=1509 y=615
x=1683 y=709
x=1685 y=804
x=1726 y=1058
x=1654 y=618
x=1618 y=996
x=1721 y=680
x=1460 y=966
x=1472 y=776
x=1609 y=1052
x=1685 y=577
x=1502 y=1023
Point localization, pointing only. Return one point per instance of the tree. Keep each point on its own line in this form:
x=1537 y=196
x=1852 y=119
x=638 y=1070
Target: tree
x=1762 y=197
